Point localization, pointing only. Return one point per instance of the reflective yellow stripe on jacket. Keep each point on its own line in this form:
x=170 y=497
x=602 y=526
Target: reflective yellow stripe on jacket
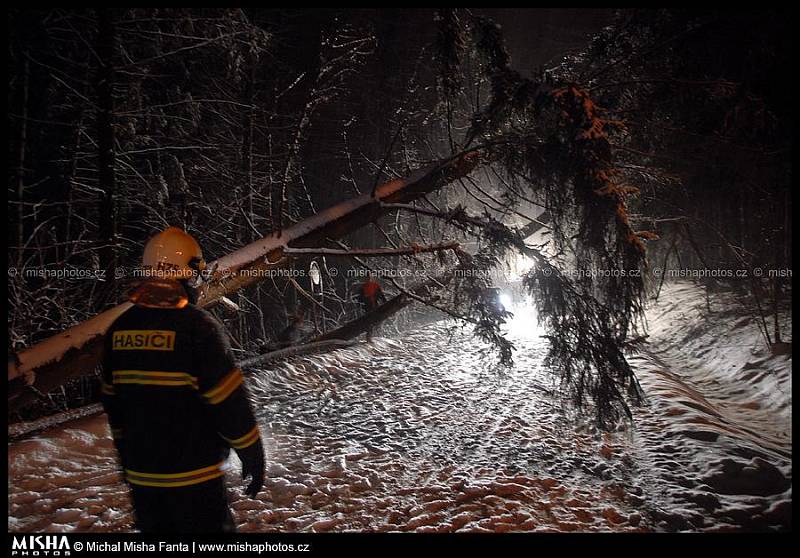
x=247 y=440
x=174 y=480
x=158 y=378
x=224 y=387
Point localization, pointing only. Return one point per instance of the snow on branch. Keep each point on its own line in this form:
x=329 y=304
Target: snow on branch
x=413 y=249
x=77 y=350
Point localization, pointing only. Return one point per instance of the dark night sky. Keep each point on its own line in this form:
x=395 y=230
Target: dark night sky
x=540 y=36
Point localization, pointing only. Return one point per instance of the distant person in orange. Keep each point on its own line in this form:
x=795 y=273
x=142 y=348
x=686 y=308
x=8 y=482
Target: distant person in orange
x=371 y=296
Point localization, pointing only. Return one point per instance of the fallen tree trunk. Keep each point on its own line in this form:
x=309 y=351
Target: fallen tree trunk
x=295 y=350
x=21 y=430
x=77 y=351
x=47 y=365
x=407 y=251
x=340 y=337
x=361 y=324
x=252 y=263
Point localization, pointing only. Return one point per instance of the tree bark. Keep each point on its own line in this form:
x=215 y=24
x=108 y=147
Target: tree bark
x=364 y=323
x=304 y=349
x=409 y=250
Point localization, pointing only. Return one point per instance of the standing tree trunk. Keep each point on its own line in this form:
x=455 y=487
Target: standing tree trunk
x=246 y=217
x=247 y=141
x=107 y=232
x=178 y=211
x=23 y=135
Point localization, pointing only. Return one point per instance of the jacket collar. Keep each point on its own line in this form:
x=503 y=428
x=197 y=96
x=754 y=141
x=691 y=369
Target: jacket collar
x=159 y=293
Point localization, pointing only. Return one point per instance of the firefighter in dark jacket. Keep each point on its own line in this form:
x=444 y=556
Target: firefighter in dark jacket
x=175 y=400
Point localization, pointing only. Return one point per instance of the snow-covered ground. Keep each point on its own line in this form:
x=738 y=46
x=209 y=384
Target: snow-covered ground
x=421 y=433
x=716 y=441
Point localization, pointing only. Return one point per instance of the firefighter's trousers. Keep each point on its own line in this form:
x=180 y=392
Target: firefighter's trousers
x=198 y=508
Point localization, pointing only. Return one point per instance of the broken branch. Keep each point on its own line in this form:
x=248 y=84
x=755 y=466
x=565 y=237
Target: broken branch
x=413 y=249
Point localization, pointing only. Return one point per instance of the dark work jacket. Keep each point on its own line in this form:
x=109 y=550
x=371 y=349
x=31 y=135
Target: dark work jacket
x=175 y=400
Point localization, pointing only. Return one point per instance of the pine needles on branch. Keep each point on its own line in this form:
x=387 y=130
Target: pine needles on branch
x=552 y=141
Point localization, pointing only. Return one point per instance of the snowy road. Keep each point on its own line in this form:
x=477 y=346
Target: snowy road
x=419 y=433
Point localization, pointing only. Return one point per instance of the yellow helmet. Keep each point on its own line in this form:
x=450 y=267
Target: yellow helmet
x=173 y=254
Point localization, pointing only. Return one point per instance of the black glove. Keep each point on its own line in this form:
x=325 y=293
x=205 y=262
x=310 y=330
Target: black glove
x=252 y=458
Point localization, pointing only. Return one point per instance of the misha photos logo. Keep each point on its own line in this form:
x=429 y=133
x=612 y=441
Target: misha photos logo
x=40 y=545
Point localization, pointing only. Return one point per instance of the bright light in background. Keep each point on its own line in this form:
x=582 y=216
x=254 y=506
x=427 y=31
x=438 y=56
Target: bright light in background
x=524 y=324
